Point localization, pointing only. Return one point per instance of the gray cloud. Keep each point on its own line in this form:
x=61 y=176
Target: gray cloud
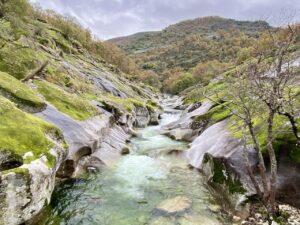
x=112 y=18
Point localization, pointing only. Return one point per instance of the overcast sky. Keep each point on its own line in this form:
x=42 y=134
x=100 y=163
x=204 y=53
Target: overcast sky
x=113 y=18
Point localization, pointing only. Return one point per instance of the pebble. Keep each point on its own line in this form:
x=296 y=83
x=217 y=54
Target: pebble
x=258 y=219
x=236 y=218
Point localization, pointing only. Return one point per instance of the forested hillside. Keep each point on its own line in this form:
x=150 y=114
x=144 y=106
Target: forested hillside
x=192 y=50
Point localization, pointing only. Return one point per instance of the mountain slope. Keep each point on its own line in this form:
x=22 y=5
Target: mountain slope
x=187 y=43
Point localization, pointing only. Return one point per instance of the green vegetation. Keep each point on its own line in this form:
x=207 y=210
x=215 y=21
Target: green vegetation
x=21 y=132
x=214 y=90
x=284 y=138
x=223 y=177
x=205 y=72
x=17 y=60
x=19 y=92
x=126 y=104
x=70 y=104
x=204 y=47
x=180 y=83
x=215 y=114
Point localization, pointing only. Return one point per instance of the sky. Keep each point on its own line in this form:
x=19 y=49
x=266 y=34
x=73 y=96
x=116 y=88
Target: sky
x=114 y=18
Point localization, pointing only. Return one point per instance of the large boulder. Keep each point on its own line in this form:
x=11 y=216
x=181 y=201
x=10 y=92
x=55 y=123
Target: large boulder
x=183 y=129
x=27 y=189
x=98 y=137
x=142 y=117
x=220 y=156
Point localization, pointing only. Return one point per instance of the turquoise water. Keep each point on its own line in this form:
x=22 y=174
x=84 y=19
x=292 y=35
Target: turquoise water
x=128 y=193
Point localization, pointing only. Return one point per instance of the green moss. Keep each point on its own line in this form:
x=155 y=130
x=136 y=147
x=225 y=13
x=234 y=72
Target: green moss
x=214 y=90
x=218 y=176
x=19 y=92
x=21 y=132
x=215 y=114
x=221 y=176
x=20 y=170
x=60 y=41
x=17 y=60
x=51 y=160
x=70 y=104
x=220 y=112
x=6 y=31
x=125 y=104
x=283 y=136
x=116 y=102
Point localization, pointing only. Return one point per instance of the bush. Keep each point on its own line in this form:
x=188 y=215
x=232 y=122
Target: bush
x=184 y=81
x=206 y=71
x=15 y=8
x=16 y=11
x=114 y=55
x=151 y=78
x=243 y=55
x=68 y=26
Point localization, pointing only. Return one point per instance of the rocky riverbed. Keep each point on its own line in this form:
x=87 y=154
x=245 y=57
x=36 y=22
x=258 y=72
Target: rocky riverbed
x=151 y=185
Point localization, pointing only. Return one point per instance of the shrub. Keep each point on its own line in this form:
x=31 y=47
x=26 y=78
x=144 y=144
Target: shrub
x=68 y=26
x=206 y=71
x=151 y=78
x=184 y=81
x=243 y=55
x=114 y=55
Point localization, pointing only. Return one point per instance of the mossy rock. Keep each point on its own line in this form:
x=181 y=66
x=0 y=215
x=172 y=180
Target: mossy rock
x=216 y=114
x=223 y=176
x=70 y=104
x=195 y=94
x=20 y=93
x=9 y=160
x=60 y=41
x=17 y=60
x=125 y=104
x=21 y=133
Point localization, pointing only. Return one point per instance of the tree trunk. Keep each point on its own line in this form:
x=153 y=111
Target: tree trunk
x=252 y=177
x=261 y=162
x=249 y=168
x=273 y=179
x=293 y=124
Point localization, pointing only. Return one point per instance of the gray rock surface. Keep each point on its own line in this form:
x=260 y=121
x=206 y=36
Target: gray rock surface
x=182 y=128
x=142 y=117
x=98 y=137
x=26 y=193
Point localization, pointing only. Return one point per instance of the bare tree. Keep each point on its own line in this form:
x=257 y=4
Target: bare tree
x=271 y=76
x=244 y=107
x=265 y=81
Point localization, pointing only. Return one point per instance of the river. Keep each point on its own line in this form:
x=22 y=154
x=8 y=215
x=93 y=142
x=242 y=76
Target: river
x=128 y=193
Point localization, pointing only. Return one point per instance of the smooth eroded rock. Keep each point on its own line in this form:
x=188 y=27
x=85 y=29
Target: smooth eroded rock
x=175 y=205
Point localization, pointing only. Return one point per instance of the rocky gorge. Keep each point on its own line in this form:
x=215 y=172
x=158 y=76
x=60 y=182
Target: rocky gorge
x=91 y=136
